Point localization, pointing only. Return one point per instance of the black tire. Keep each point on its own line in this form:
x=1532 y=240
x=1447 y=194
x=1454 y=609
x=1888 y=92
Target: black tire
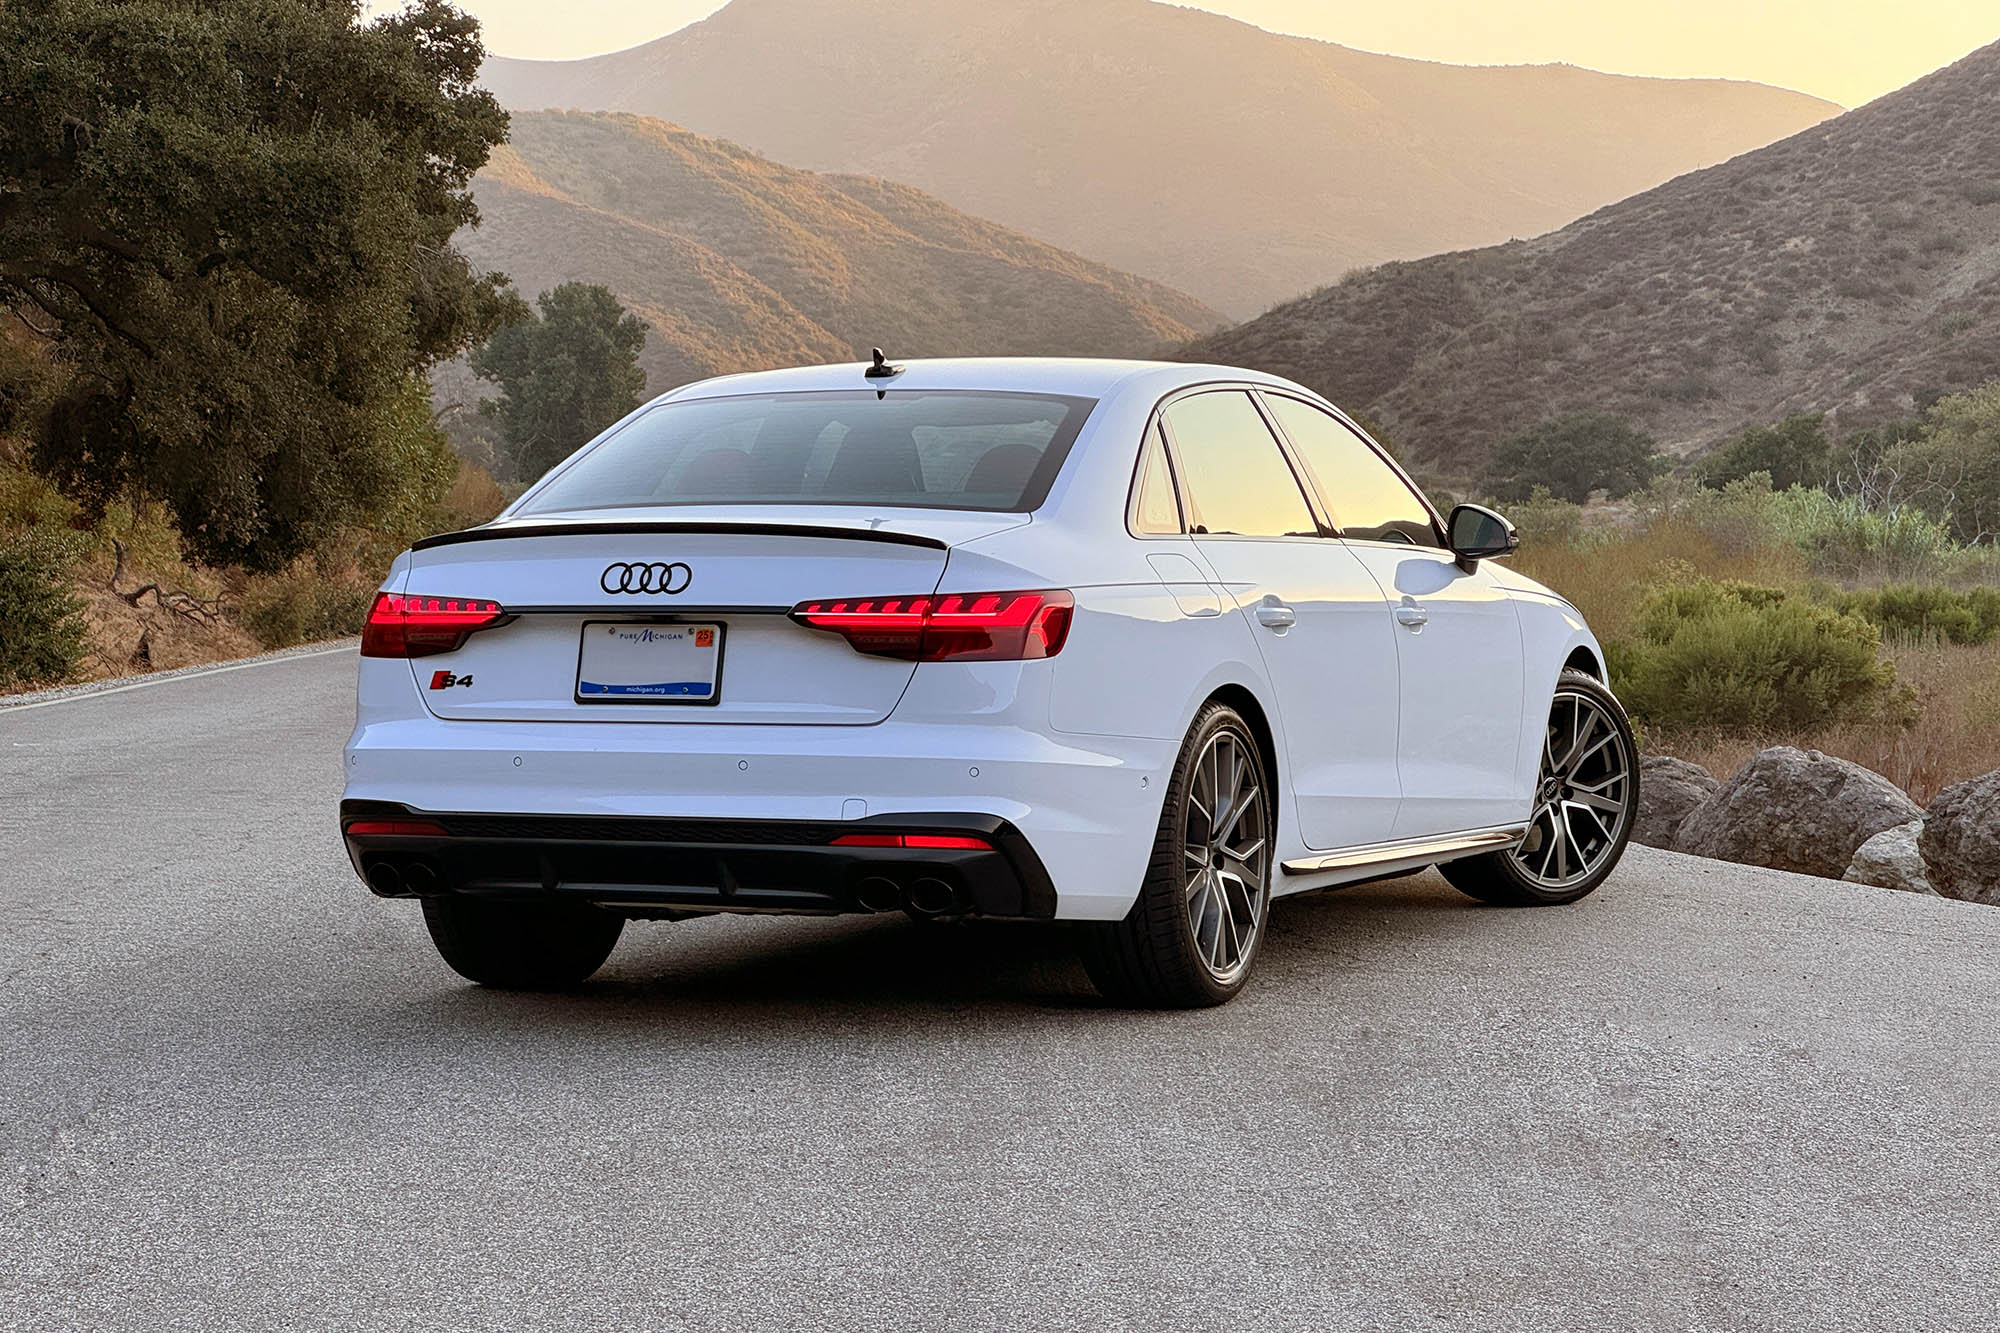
x=511 y=944
x=1156 y=957
x=1501 y=877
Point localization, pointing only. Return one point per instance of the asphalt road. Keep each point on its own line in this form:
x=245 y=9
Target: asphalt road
x=238 y=1092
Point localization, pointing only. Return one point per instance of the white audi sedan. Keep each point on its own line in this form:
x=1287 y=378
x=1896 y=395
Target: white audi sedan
x=1134 y=646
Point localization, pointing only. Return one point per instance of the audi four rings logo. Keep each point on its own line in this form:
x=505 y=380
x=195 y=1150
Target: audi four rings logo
x=655 y=578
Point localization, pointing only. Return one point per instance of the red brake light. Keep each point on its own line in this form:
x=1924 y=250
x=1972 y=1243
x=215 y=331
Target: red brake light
x=394 y=828
x=942 y=842
x=400 y=626
x=961 y=627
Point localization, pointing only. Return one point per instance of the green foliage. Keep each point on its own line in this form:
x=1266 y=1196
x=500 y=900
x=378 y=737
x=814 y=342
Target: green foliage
x=564 y=375
x=1794 y=452
x=1842 y=538
x=1954 y=470
x=1714 y=655
x=1572 y=456
x=1916 y=612
x=304 y=605
x=233 y=224
x=1543 y=520
x=41 y=625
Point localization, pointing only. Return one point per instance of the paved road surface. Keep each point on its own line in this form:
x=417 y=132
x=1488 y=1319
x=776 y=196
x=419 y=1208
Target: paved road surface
x=239 y=1092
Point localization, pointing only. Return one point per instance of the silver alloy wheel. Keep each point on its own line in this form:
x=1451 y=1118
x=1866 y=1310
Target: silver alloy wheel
x=1226 y=855
x=1583 y=798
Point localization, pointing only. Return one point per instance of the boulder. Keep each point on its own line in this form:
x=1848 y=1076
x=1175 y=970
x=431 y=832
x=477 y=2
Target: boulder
x=1890 y=860
x=1961 y=840
x=1669 y=791
x=1796 y=810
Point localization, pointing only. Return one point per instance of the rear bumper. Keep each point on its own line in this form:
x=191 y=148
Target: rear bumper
x=654 y=866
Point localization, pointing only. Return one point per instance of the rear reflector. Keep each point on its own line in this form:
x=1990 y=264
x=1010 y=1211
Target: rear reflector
x=958 y=627
x=937 y=842
x=395 y=828
x=400 y=626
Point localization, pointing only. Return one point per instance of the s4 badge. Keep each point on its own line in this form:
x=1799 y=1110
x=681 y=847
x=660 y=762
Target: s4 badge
x=444 y=680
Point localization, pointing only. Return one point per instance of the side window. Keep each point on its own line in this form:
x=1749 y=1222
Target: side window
x=1370 y=502
x=1237 y=479
x=1155 y=508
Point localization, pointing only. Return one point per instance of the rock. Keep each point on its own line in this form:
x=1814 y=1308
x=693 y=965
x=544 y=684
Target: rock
x=1961 y=841
x=1669 y=791
x=1796 y=810
x=1890 y=860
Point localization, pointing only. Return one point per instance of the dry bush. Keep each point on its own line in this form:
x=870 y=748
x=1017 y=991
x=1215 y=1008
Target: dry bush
x=1957 y=735
x=1604 y=576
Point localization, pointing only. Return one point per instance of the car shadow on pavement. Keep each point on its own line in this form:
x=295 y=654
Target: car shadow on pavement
x=891 y=965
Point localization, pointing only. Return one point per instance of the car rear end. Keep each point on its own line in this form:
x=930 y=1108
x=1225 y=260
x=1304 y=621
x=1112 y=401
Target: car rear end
x=740 y=666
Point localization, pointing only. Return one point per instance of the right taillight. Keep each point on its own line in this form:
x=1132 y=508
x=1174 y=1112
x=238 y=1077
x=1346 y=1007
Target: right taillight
x=400 y=626
x=956 y=627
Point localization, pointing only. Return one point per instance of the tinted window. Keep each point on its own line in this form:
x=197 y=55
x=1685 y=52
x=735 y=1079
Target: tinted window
x=1156 y=508
x=1368 y=500
x=933 y=450
x=1237 y=480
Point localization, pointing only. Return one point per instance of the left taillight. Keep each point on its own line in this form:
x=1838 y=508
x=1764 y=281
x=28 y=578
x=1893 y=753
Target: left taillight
x=400 y=626
x=955 y=627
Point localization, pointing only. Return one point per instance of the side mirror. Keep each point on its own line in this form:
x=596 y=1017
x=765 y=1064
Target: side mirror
x=1477 y=533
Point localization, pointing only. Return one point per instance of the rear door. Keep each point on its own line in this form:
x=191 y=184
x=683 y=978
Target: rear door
x=1457 y=634
x=1316 y=615
x=732 y=584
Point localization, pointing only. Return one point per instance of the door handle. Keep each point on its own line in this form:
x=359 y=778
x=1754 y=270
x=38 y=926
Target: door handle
x=1276 y=615
x=1413 y=617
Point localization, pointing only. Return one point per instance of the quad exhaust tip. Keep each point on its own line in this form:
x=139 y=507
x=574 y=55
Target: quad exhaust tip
x=876 y=894
x=932 y=897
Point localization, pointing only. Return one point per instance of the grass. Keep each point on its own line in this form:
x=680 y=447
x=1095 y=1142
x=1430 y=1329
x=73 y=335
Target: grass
x=1945 y=726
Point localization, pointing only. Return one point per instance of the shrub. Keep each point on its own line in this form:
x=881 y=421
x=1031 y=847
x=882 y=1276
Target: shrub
x=1794 y=452
x=1712 y=655
x=1913 y=612
x=44 y=639
x=1572 y=456
x=1843 y=538
x=303 y=605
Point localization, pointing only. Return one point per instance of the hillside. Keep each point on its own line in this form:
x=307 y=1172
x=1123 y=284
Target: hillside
x=1236 y=164
x=1846 y=269
x=739 y=263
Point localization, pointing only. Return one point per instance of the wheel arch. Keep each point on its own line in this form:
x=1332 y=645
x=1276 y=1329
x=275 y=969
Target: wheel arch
x=1245 y=702
x=1585 y=659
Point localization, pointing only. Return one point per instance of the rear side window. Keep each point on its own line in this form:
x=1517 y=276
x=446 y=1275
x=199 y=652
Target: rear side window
x=1369 y=501
x=959 y=450
x=1237 y=480
x=1156 y=509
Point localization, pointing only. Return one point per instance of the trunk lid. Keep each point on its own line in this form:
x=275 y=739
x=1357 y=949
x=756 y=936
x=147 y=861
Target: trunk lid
x=636 y=569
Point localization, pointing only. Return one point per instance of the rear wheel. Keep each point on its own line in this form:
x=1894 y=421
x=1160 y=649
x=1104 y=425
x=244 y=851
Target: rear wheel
x=1586 y=795
x=1192 y=936
x=517 y=945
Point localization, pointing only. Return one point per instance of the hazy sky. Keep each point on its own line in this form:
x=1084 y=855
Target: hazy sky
x=1848 y=51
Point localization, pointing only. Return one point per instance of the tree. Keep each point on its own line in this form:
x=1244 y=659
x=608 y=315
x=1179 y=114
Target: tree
x=1572 y=456
x=564 y=375
x=1953 y=471
x=1795 y=452
x=232 y=222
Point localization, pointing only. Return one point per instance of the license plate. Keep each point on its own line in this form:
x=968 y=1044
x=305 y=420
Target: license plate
x=649 y=663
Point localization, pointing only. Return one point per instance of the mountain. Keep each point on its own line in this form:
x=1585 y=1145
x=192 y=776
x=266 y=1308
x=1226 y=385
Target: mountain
x=1237 y=164
x=1851 y=268
x=740 y=264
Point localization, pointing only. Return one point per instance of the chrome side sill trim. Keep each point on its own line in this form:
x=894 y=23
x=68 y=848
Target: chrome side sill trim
x=1410 y=851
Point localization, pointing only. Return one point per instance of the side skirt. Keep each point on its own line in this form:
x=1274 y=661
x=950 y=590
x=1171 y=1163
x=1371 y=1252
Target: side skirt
x=1382 y=859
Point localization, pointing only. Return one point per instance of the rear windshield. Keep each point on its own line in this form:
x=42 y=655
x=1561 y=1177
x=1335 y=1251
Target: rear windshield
x=959 y=450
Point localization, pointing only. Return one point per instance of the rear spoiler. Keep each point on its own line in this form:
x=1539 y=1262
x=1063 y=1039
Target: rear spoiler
x=630 y=526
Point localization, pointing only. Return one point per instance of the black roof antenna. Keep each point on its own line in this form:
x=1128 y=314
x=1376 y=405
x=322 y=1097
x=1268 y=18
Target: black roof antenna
x=882 y=370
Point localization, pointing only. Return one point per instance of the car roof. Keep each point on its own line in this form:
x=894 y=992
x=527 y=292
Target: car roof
x=1080 y=377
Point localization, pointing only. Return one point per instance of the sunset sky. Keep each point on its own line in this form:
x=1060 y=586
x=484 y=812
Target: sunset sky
x=1848 y=51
